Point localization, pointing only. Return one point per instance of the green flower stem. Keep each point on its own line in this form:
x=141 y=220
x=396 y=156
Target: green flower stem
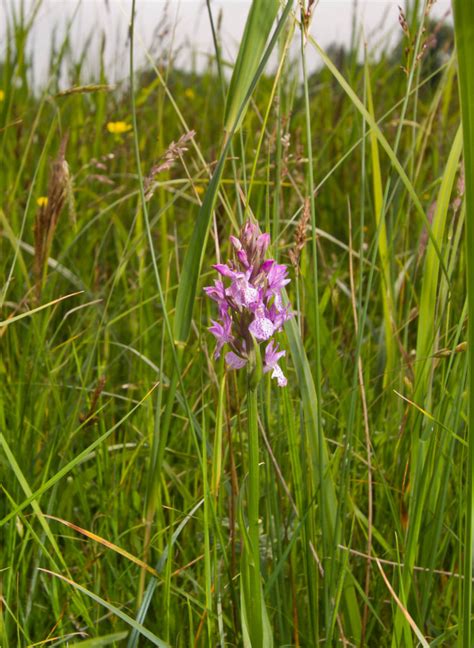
x=254 y=604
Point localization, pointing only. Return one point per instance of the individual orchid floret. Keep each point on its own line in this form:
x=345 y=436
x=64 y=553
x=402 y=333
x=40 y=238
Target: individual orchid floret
x=234 y=361
x=248 y=233
x=243 y=293
x=243 y=258
x=224 y=270
x=236 y=243
x=277 y=278
x=279 y=314
x=222 y=333
x=217 y=294
x=263 y=242
x=272 y=355
x=250 y=302
x=262 y=328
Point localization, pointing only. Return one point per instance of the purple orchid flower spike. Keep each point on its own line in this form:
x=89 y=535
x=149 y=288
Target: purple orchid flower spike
x=251 y=308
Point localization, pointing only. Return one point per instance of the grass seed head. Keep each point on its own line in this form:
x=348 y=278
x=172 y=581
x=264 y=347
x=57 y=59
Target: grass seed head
x=47 y=216
x=300 y=236
x=174 y=151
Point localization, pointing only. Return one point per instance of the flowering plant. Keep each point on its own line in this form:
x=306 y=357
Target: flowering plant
x=250 y=308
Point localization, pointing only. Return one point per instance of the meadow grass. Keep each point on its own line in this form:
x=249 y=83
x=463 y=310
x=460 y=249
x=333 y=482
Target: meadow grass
x=148 y=497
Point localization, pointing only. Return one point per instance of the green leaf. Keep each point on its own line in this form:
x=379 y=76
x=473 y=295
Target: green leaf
x=426 y=335
x=257 y=29
x=464 y=32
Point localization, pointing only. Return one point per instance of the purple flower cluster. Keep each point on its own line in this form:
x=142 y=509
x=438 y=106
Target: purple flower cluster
x=250 y=307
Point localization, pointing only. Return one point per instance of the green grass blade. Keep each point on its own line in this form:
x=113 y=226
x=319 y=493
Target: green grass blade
x=257 y=29
x=464 y=31
x=156 y=641
x=382 y=141
x=320 y=459
x=425 y=336
x=310 y=405
x=38 y=512
x=72 y=464
x=28 y=313
x=386 y=283
x=105 y=640
x=147 y=599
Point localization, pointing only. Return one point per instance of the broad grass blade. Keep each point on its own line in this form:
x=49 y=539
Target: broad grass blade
x=464 y=33
x=382 y=242
x=257 y=29
x=426 y=335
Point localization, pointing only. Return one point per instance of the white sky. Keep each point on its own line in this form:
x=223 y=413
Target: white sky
x=331 y=23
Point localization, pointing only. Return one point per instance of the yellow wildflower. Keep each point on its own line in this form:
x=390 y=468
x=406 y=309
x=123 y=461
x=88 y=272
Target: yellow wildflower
x=2 y=95
x=42 y=201
x=189 y=93
x=199 y=189
x=118 y=127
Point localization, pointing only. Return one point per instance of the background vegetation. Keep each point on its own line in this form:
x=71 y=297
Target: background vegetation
x=124 y=455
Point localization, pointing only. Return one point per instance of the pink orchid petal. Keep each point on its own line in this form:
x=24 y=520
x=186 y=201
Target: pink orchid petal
x=234 y=361
x=262 y=328
x=224 y=270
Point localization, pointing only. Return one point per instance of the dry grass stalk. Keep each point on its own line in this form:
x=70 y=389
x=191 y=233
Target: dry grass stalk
x=89 y=418
x=48 y=214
